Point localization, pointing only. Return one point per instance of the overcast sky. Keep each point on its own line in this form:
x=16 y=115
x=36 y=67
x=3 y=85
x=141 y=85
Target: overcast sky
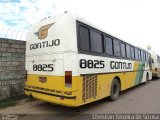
x=134 y=21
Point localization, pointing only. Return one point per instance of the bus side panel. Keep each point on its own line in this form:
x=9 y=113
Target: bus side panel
x=128 y=79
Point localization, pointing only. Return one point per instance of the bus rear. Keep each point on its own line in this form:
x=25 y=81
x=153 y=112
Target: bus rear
x=51 y=43
x=155 y=65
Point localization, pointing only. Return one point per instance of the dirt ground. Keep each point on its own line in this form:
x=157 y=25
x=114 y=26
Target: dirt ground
x=140 y=100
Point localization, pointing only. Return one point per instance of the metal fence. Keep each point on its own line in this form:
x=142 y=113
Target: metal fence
x=12 y=34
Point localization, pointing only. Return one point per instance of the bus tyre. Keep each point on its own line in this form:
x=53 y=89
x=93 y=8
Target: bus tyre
x=115 y=90
x=147 y=78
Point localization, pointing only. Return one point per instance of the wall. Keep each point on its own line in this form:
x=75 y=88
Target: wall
x=12 y=68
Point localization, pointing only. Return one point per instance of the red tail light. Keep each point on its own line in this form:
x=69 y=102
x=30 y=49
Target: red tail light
x=156 y=69
x=68 y=78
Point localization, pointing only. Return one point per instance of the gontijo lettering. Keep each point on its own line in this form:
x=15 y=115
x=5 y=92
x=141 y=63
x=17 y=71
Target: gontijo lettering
x=45 y=44
x=120 y=65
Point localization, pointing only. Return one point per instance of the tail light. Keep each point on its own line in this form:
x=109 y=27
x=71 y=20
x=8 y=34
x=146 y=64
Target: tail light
x=156 y=69
x=68 y=78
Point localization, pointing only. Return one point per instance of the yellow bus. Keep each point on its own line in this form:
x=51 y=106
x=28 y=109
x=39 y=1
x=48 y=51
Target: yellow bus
x=71 y=62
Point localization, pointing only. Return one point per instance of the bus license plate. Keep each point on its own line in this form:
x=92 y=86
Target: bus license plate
x=42 y=79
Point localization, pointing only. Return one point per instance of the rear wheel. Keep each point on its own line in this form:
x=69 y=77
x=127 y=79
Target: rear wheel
x=115 y=90
x=147 y=78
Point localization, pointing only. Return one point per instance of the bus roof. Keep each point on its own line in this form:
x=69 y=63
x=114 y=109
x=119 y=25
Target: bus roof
x=85 y=21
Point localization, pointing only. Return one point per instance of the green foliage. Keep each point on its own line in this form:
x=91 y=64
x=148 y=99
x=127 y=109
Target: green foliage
x=7 y=103
x=11 y=101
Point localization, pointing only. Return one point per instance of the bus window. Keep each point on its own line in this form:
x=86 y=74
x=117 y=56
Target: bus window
x=147 y=57
x=128 y=50
x=109 y=45
x=123 y=50
x=116 y=47
x=96 y=42
x=142 y=55
x=84 y=38
x=132 y=53
x=139 y=54
x=136 y=53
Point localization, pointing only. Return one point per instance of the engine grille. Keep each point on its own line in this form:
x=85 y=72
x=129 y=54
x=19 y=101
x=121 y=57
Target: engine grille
x=89 y=89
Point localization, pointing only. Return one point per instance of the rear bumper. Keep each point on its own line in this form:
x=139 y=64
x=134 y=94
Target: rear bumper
x=53 y=98
x=51 y=94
